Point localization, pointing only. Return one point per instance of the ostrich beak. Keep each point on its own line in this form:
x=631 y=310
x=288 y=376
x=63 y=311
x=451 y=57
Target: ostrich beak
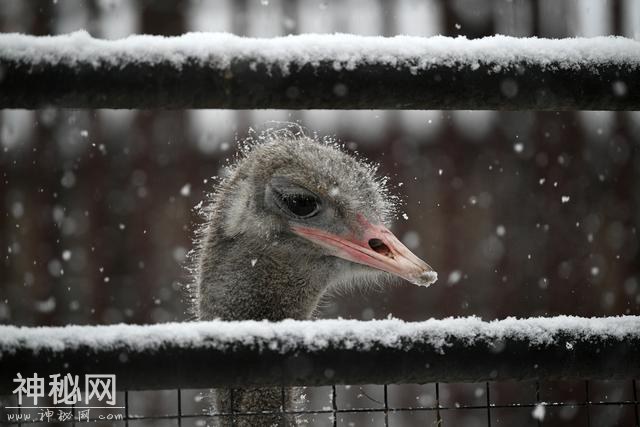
x=377 y=247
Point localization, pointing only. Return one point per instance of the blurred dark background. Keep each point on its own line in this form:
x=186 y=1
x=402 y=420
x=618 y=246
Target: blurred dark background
x=522 y=213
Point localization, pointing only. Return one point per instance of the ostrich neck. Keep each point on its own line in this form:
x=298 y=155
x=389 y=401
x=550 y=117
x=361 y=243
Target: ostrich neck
x=254 y=283
x=258 y=283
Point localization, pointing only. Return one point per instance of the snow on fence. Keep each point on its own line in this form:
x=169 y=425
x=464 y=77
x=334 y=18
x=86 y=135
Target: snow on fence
x=200 y=70
x=328 y=352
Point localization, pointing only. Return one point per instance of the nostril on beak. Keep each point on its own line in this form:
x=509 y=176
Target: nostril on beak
x=379 y=246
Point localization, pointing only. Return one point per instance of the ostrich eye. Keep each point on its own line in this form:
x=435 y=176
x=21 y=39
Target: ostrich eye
x=300 y=205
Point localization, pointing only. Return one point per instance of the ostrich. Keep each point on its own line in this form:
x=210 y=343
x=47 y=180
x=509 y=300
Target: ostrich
x=294 y=218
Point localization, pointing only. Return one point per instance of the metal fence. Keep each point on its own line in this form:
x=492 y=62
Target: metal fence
x=571 y=77
x=428 y=373
x=582 y=407
x=511 y=381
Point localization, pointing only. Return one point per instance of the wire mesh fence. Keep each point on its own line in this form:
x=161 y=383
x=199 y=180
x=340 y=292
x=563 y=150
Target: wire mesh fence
x=529 y=403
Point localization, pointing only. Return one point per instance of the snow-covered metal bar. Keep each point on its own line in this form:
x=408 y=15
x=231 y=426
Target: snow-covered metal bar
x=200 y=70
x=208 y=354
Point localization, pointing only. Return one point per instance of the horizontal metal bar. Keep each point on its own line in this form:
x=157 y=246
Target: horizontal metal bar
x=572 y=404
x=319 y=72
x=391 y=410
x=222 y=354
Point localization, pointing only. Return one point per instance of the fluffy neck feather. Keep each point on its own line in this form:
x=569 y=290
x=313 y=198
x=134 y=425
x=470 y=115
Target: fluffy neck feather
x=244 y=279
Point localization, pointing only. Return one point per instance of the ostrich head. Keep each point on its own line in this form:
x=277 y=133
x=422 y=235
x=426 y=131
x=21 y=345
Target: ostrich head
x=294 y=217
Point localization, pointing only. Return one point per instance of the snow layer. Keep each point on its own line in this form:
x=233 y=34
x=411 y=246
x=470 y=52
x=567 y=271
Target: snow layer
x=343 y=50
x=290 y=335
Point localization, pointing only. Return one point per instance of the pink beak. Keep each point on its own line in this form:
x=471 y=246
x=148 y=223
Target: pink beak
x=377 y=248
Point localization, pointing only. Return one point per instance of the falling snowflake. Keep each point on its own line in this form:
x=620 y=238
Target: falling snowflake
x=538 y=412
x=454 y=277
